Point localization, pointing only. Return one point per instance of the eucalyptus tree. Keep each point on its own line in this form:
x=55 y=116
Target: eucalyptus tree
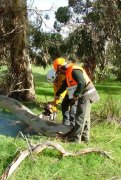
x=45 y=46
x=14 y=34
x=96 y=28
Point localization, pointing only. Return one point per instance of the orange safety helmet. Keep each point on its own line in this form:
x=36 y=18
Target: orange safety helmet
x=57 y=63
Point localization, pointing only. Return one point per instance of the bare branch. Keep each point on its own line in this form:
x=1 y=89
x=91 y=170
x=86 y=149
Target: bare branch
x=40 y=19
x=40 y=147
x=19 y=90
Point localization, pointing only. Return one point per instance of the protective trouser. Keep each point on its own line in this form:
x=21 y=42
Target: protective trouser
x=81 y=130
x=68 y=111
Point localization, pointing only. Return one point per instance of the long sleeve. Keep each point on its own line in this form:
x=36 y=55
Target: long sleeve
x=62 y=88
x=79 y=78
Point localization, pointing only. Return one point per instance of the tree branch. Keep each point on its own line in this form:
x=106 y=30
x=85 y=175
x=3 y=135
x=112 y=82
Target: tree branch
x=47 y=128
x=40 y=147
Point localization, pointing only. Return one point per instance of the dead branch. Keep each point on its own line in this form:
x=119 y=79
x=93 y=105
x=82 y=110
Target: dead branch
x=47 y=128
x=19 y=90
x=40 y=147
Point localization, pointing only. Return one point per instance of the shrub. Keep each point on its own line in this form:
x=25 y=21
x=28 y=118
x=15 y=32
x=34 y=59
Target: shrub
x=109 y=111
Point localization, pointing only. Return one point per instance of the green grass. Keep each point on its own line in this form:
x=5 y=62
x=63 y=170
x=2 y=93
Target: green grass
x=49 y=165
x=44 y=90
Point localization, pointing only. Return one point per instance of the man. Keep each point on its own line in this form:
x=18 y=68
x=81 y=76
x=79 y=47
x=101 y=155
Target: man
x=82 y=93
x=67 y=112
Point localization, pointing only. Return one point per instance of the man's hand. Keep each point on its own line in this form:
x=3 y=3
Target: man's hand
x=51 y=108
x=75 y=97
x=56 y=98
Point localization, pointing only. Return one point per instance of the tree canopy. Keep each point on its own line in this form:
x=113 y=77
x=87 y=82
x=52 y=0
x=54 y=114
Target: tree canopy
x=94 y=28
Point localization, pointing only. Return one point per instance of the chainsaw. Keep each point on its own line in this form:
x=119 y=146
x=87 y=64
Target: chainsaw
x=50 y=112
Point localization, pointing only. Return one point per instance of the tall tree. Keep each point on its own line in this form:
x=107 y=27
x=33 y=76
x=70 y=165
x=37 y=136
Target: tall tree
x=45 y=46
x=20 y=84
x=96 y=23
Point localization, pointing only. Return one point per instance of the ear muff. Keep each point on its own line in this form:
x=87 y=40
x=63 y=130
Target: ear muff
x=64 y=67
x=57 y=63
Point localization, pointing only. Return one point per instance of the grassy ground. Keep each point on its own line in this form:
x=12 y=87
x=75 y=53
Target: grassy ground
x=48 y=164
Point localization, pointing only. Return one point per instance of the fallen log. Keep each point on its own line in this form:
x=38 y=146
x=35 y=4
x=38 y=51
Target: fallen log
x=40 y=147
x=37 y=124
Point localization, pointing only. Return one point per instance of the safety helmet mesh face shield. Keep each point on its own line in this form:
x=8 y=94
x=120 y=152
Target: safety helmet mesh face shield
x=57 y=63
x=51 y=75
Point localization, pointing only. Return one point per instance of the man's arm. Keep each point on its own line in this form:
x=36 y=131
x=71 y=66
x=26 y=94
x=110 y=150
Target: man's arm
x=62 y=88
x=81 y=83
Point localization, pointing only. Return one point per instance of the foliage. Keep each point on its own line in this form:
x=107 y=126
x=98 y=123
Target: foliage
x=44 y=47
x=117 y=61
x=63 y=15
x=94 y=33
x=94 y=38
x=98 y=27
x=109 y=111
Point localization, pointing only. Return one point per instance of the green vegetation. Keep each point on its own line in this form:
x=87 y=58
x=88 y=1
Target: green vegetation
x=106 y=135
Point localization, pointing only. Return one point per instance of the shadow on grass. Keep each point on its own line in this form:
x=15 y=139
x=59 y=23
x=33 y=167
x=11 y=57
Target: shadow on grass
x=44 y=93
x=114 y=89
x=42 y=87
x=9 y=124
x=39 y=77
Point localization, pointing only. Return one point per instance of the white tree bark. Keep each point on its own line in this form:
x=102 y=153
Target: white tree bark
x=32 y=120
x=40 y=147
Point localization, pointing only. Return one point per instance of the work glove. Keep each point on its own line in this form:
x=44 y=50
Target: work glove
x=56 y=100
x=51 y=108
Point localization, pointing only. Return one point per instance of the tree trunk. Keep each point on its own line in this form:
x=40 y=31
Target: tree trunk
x=37 y=124
x=90 y=66
x=21 y=80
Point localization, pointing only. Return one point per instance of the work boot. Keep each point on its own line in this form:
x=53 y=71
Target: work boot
x=85 y=139
x=74 y=140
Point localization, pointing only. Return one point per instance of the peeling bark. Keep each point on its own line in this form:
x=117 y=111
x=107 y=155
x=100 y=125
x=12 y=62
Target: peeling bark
x=21 y=84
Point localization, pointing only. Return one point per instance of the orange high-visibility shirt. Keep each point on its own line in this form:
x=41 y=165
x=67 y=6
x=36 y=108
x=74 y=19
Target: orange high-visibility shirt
x=69 y=78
